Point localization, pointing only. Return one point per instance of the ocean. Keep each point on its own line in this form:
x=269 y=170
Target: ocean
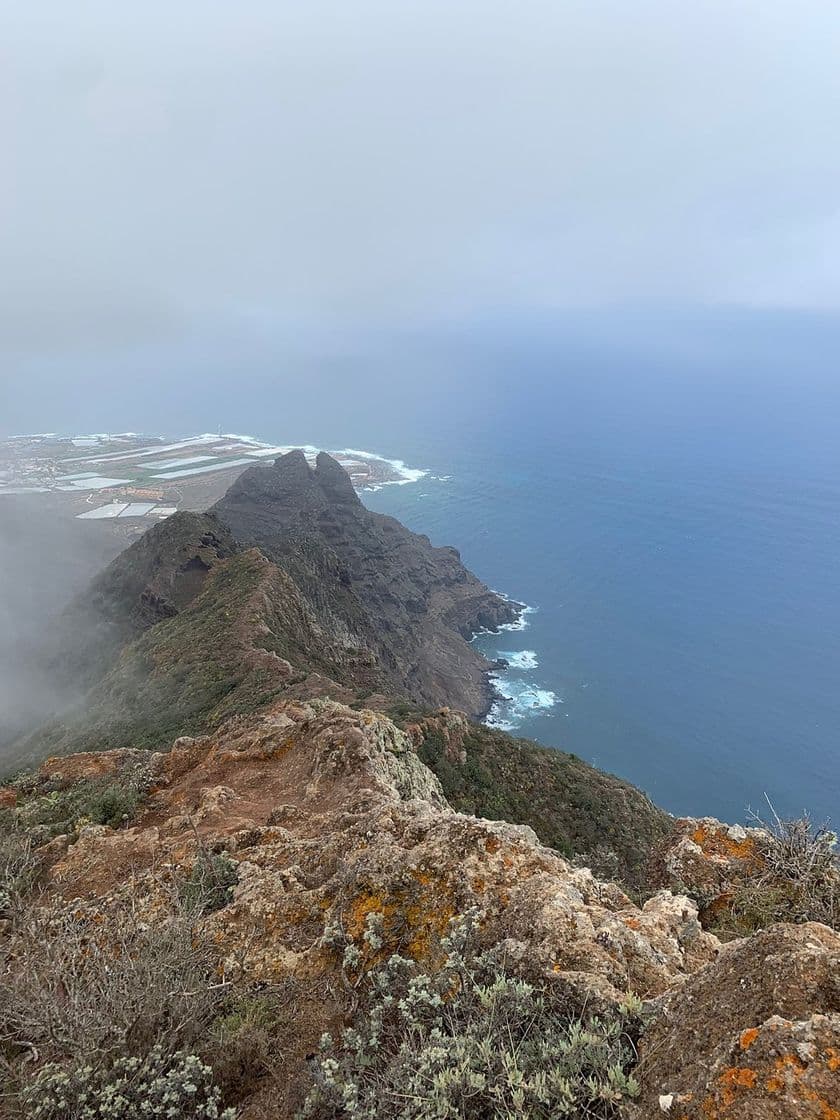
x=663 y=491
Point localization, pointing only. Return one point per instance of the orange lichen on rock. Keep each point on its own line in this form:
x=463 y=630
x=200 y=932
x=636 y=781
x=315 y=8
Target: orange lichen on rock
x=360 y=909
x=414 y=917
x=753 y=1036
x=717 y=842
x=748 y=1037
x=734 y=1079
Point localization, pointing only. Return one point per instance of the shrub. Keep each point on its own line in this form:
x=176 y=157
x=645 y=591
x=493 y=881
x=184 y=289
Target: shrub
x=210 y=884
x=75 y=989
x=468 y=1042
x=92 y=801
x=113 y=805
x=799 y=881
x=241 y=1044
x=156 y=1086
x=18 y=867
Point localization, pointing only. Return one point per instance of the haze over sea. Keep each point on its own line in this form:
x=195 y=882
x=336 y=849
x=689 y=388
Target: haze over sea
x=664 y=489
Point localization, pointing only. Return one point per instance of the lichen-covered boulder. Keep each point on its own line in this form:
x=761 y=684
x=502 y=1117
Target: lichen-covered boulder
x=753 y=1036
x=331 y=817
x=707 y=859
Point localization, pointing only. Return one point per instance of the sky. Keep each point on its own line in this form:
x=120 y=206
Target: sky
x=331 y=163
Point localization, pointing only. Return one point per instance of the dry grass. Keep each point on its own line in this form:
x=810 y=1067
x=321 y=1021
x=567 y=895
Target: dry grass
x=73 y=987
x=82 y=989
x=799 y=881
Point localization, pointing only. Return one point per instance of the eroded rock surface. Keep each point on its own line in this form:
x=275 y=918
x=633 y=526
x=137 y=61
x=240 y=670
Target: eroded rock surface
x=709 y=859
x=754 y=1035
x=410 y=603
x=330 y=817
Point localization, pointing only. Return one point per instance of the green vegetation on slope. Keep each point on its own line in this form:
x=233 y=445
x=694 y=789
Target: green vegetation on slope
x=189 y=672
x=573 y=807
x=243 y=640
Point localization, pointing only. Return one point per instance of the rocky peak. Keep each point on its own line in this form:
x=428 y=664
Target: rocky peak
x=289 y=487
x=413 y=605
x=334 y=480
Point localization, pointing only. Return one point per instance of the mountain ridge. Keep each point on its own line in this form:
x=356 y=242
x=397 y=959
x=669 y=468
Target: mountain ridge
x=413 y=604
x=253 y=805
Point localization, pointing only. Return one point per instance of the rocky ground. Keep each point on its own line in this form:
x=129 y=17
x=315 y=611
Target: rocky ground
x=329 y=816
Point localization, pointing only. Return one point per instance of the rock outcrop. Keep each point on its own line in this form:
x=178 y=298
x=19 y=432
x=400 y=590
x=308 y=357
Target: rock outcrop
x=410 y=603
x=330 y=813
x=329 y=817
x=709 y=859
x=753 y=1036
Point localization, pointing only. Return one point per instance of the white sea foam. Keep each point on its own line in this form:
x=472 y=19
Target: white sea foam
x=520 y=659
x=407 y=474
x=520 y=623
x=517 y=700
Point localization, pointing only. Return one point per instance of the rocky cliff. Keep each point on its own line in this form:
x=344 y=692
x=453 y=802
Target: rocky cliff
x=387 y=588
x=323 y=818
x=270 y=822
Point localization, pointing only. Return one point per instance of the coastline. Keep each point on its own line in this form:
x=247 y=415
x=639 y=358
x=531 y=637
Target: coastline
x=512 y=696
x=496 y=665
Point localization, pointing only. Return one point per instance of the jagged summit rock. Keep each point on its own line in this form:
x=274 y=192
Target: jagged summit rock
x=289 y=566
x=289 y=484
x=411 y=604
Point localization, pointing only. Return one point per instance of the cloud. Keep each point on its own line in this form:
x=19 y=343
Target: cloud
x=167 y=163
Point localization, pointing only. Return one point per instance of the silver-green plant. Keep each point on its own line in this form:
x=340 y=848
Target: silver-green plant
x=157 y=1087
x=469 y=1041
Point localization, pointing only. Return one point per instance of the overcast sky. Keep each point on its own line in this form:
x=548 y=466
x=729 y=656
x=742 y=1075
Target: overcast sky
x=366 y=160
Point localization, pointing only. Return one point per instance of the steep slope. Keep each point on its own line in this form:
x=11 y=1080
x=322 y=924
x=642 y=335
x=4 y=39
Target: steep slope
x=151 y=580
x=247 y=635
x=573 y=807
x=412 y=604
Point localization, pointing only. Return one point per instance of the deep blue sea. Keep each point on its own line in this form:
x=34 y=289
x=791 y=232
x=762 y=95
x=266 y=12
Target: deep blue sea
x=664 y=491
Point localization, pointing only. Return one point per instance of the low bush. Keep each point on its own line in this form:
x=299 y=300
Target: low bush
x=18 y=866
x=209 y=886
x=159 y=1086
x=467 y=1042
x=244 y=1043
x=46 y=812
x=799 y=881
x=75 y=989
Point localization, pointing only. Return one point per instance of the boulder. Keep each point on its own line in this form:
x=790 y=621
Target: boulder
x=753 y=1036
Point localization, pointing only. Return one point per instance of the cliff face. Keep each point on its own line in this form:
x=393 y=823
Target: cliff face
x=257 y=733
x=411 y=604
